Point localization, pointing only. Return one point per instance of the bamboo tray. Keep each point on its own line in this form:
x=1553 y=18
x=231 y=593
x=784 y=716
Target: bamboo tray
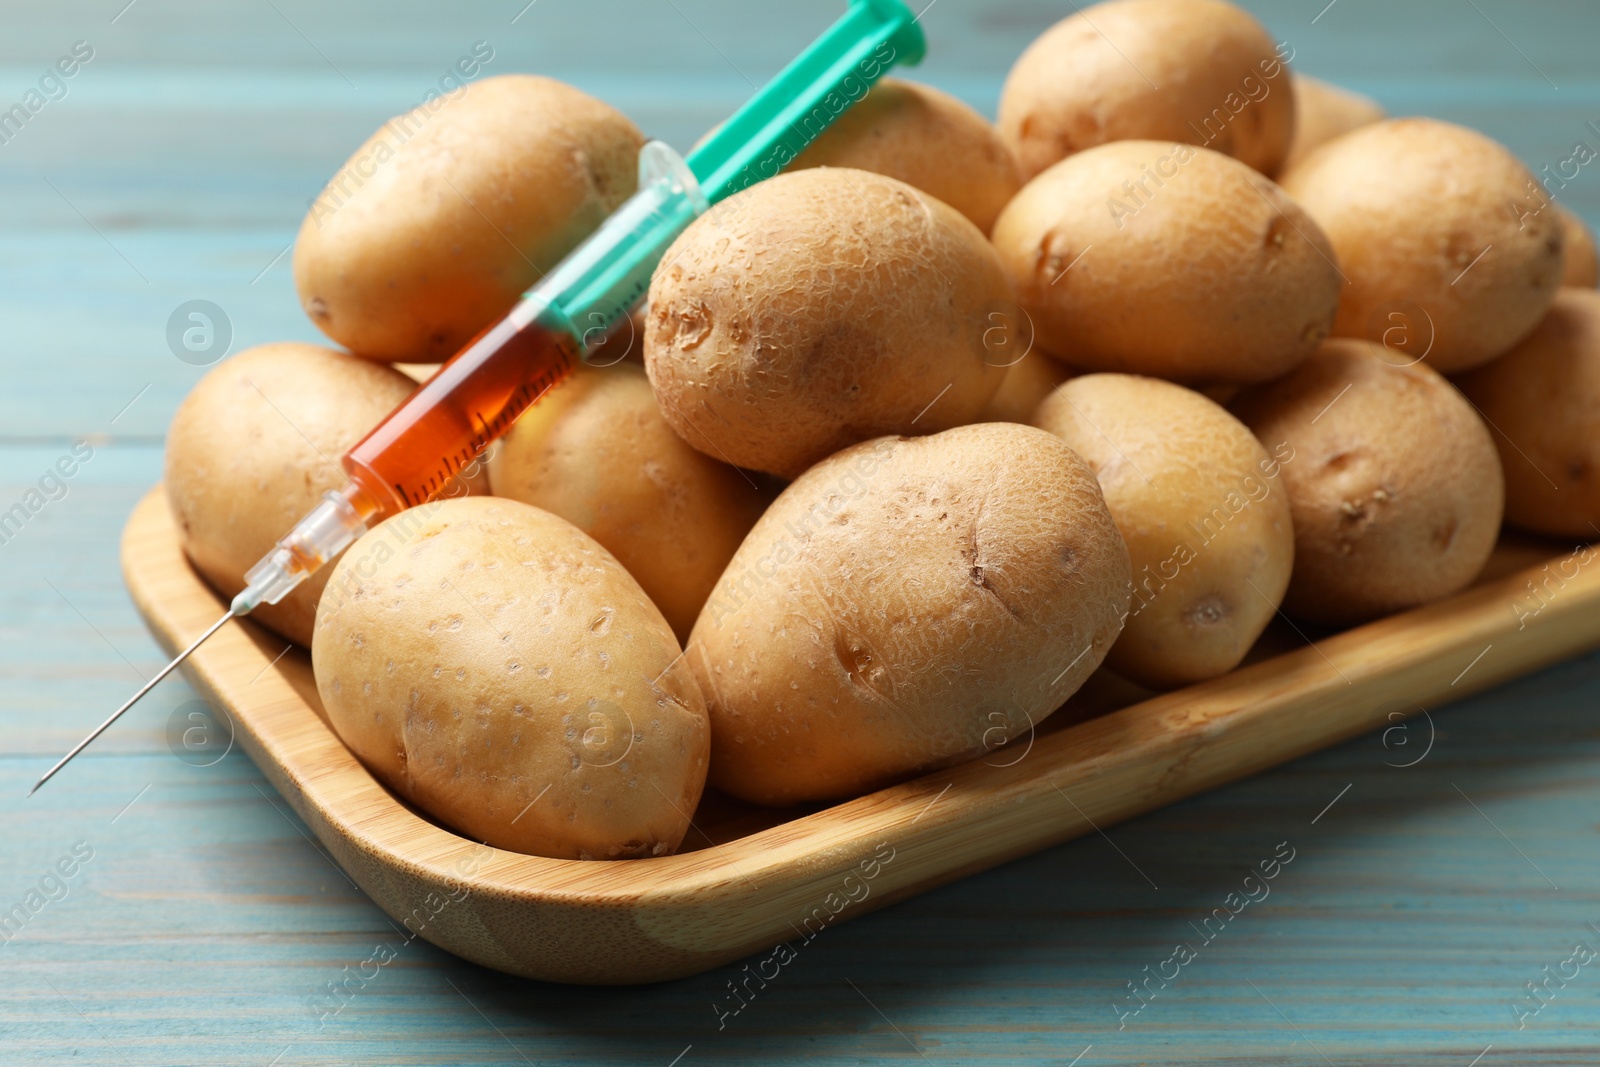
x=750 y=878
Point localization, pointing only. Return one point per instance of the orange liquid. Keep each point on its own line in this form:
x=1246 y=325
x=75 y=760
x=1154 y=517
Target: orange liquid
x=446 y=424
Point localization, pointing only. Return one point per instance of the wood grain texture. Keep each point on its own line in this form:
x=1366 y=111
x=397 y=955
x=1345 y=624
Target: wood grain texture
x=629 y=921
x=210 y=921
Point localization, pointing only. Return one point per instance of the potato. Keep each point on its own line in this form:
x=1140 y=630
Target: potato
x=821 y=308
x=1580 y=265
x=903 y=605
x=1393 y=482
x=1542 y=402
x=1027 y=382
x=1205 y=518
x=1424 y=217
x=255 y=445
x=1170 y=261
x=597 y=452
x=1200 y=72
x=1323 y=111
x=925 y=138
x=438 y=223
x=496 y=667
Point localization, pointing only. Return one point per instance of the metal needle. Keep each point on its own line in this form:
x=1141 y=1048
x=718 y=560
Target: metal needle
x=115 y=715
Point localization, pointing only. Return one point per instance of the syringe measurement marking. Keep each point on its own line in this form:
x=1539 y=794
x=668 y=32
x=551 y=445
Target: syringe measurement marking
x=526 y=395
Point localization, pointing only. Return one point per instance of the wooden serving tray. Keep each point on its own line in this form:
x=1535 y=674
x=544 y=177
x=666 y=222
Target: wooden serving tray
x=750 y=878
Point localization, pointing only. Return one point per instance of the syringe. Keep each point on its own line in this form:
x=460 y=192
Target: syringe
x=475 y=397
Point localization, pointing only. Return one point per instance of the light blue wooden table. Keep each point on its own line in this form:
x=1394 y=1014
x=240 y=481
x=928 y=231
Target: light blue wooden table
x=199 y=922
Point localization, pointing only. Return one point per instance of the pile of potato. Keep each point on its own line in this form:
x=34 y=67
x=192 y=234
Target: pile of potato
x=927 y=429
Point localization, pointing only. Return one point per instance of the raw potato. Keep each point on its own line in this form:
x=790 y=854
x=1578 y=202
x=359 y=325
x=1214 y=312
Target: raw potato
x=905 y=604
x=447 y=214
x=818 y=309
x=1200 y=72
x=1425 y=218
x=1580 y=264
x=1542 y=401
x=1171 y=261
x=597 y=452
x=1323 y=111
x=255 y=445
x=493 y=665
x=1204 y=515
x=925 y=138
x=1026 y=384
x=1395 y=486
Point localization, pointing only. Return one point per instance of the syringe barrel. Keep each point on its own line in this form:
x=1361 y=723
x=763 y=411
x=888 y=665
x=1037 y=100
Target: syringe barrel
x=600 y=280
x=428 y=444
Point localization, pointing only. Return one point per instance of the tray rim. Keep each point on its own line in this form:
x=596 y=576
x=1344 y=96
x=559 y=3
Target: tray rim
x=947 y=824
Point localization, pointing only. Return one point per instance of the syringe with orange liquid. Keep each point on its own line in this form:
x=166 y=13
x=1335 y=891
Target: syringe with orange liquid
x=446 y=424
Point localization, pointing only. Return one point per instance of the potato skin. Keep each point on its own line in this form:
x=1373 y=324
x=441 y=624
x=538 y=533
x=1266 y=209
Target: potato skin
x=1542 y=403
x=1205 y=518
x=439 y=221
x=821 y=308
x=1027 y=382
x=1323 y=111
x=495 y=666
x=1171 y=261
x=1396 y=489
x=927 y=139
x=1411 y=205
x=906 y=604
x=1580 y=264
x=597 y=452
x=253 y=447
x=1198 y=72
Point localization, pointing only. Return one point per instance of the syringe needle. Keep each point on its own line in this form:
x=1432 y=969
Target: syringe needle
x=115 y=715
x=326 y=531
